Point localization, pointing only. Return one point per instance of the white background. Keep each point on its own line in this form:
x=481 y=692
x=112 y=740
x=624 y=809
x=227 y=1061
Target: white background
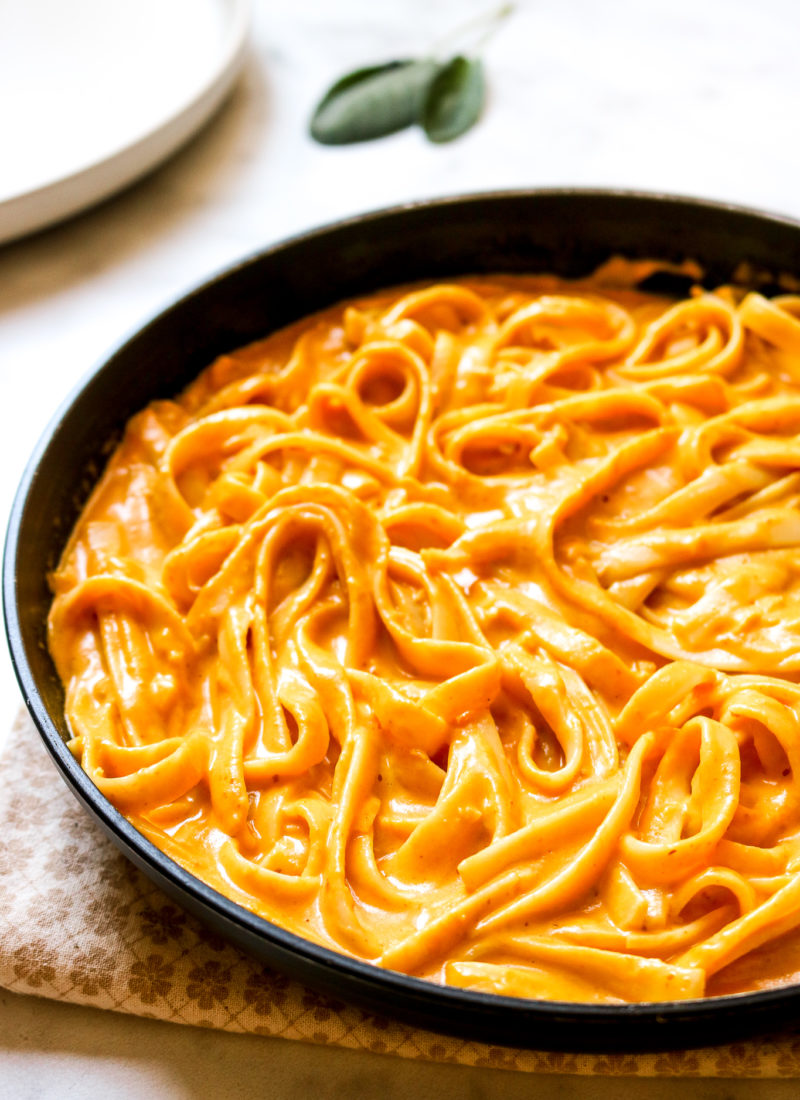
x=697 y=97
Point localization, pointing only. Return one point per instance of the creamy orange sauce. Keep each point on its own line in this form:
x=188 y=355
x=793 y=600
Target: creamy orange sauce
x=458 y=629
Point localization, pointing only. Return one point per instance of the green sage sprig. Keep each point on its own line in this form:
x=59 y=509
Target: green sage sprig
x=444 y=97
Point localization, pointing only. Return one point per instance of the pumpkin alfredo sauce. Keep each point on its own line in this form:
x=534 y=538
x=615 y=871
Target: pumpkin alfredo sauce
x=458 y=629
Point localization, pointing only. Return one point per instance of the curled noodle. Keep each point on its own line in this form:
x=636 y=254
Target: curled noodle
x=458 y=629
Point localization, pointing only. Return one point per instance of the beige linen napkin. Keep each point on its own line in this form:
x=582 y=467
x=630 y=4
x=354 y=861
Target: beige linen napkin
x=79 y=923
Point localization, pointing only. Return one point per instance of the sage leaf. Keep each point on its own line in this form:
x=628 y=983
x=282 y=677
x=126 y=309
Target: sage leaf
x=455 y=99
x=372 y=102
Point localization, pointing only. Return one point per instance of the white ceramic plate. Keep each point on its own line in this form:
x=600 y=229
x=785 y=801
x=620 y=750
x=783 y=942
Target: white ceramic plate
x=95 y=93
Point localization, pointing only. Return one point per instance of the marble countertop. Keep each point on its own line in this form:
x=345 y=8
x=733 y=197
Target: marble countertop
x=686 y=97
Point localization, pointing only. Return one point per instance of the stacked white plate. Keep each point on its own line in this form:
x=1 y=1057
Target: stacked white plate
x=95 y=94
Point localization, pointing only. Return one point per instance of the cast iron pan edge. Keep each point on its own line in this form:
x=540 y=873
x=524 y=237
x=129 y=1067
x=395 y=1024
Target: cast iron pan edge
x=567 y=231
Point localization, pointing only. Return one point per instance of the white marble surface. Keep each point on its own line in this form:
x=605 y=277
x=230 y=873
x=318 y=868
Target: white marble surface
x=692 y=97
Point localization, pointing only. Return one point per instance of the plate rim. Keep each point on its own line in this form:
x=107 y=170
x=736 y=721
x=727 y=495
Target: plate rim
x=46 y=204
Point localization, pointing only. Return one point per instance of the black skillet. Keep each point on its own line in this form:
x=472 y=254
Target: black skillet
x=568 y=232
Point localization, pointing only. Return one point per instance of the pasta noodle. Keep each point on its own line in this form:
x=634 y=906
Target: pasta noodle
x=457 y=628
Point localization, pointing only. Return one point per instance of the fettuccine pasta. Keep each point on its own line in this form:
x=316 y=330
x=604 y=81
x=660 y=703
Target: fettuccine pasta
x=458 y=629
